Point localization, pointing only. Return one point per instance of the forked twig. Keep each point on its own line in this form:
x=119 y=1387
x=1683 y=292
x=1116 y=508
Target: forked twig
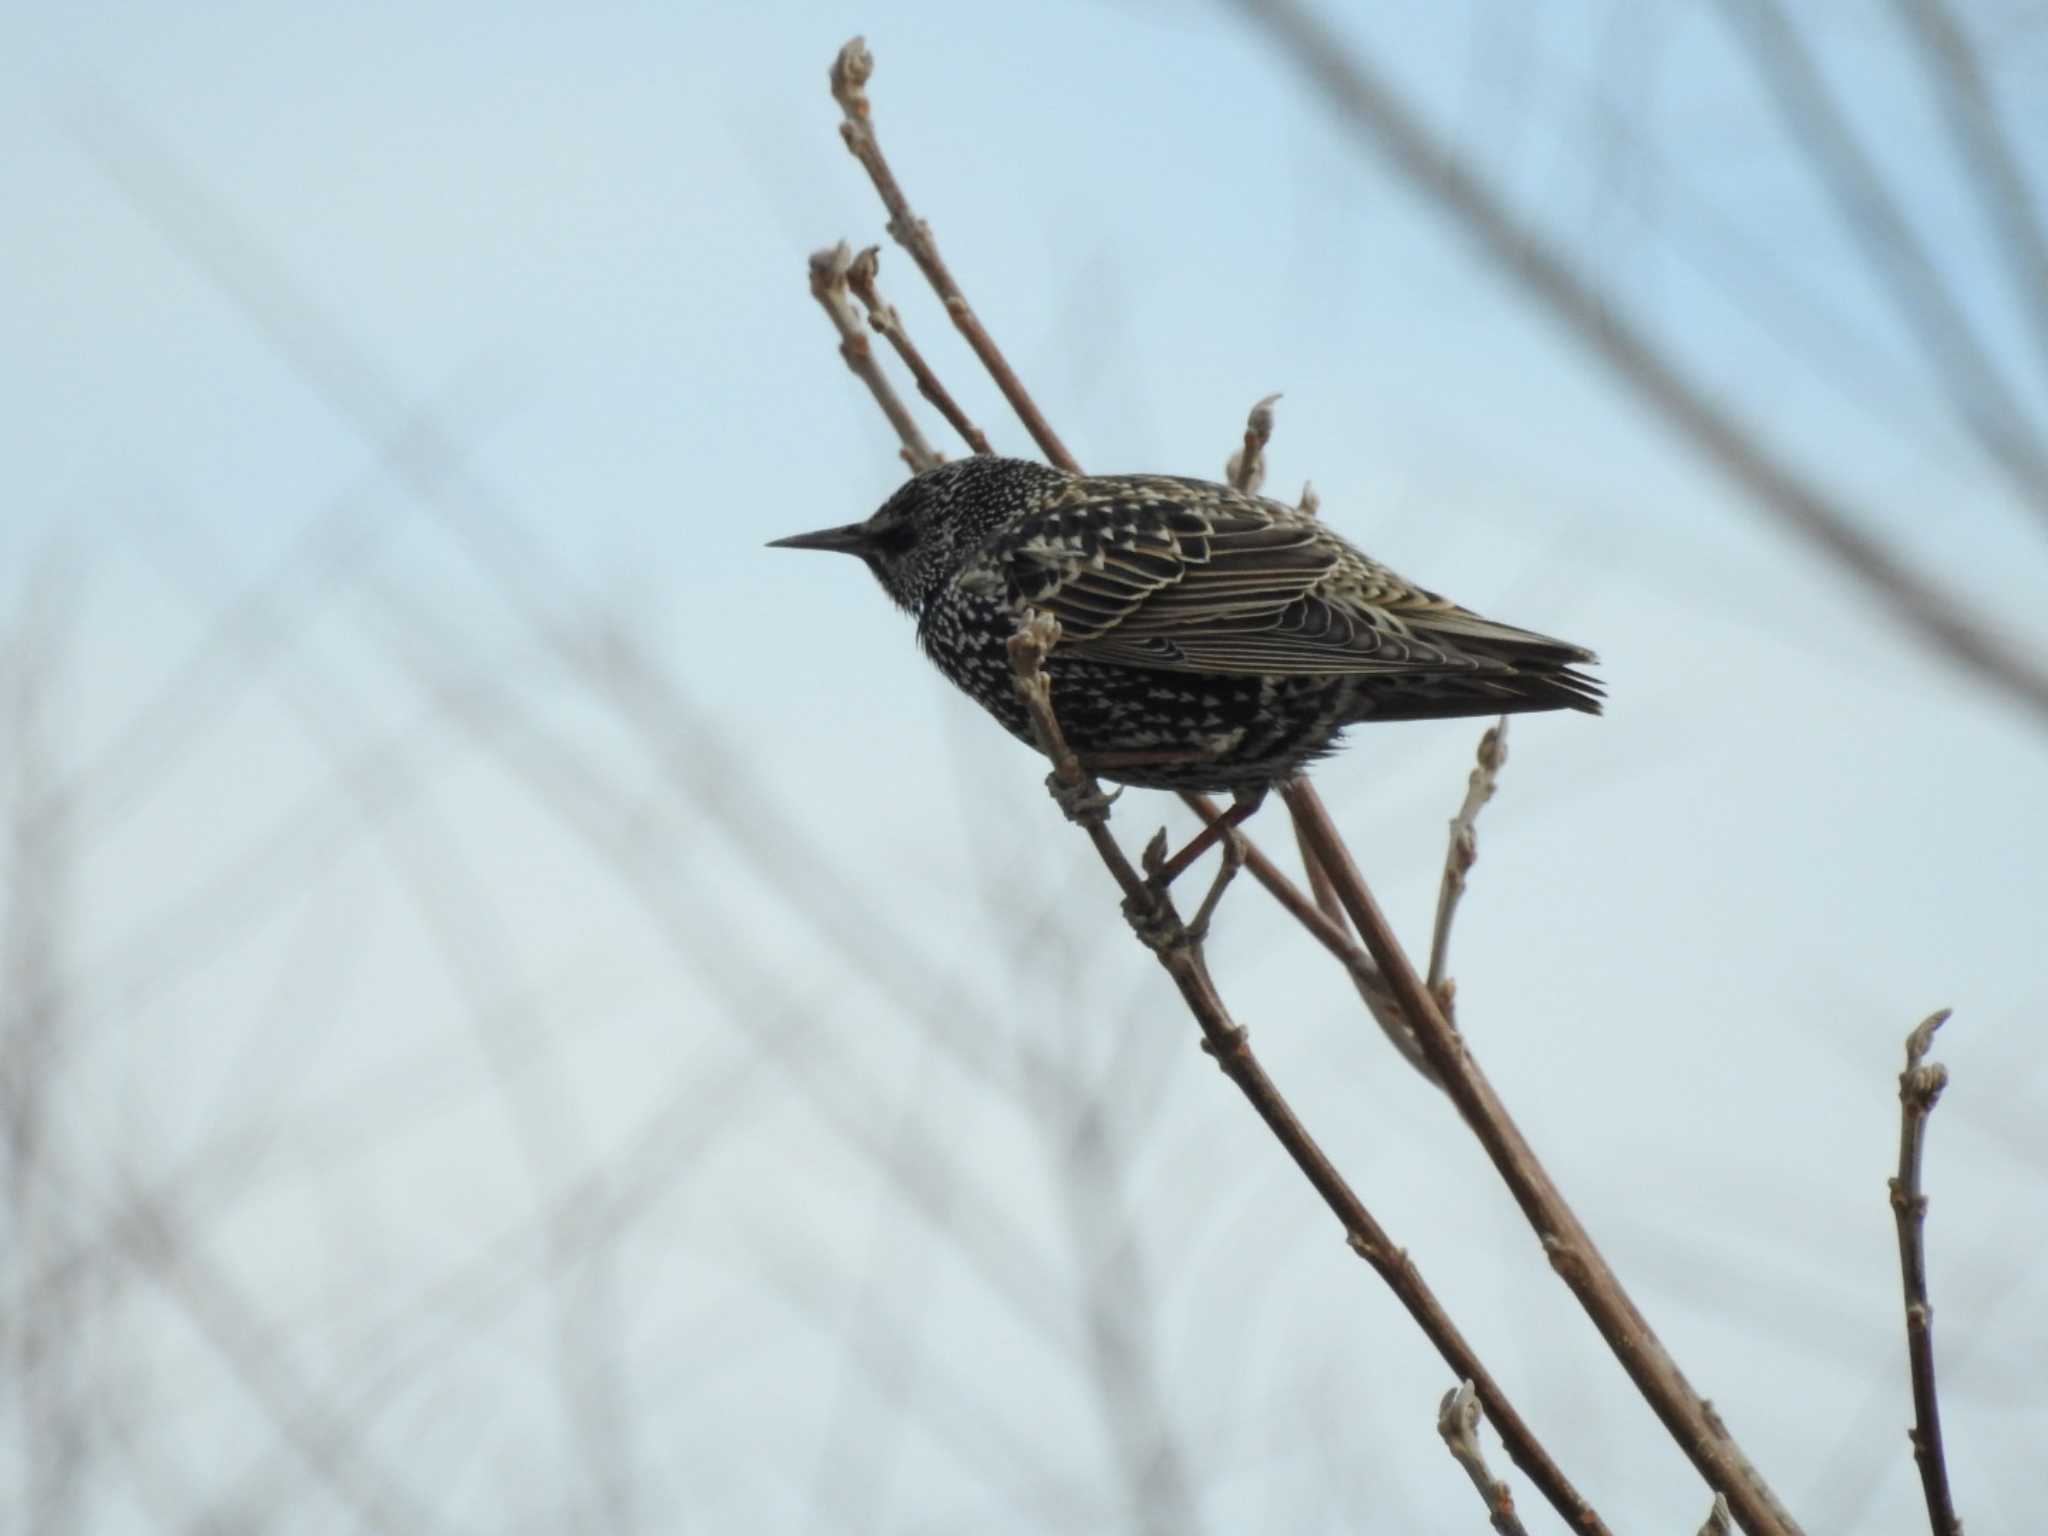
x=1890 y=242
x=1920 y=1087
x=861 y=278
x=828 y=286
x=1380 y=118
x=1152 y=916
x=1717 y=1518
x=1151 y=911
x=1457 y=1420
x=1996 y=175
x=1691 y=1422
x=850 y=72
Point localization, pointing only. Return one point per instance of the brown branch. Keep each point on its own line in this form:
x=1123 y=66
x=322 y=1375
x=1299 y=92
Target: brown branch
x=860 y=277
x=1245 y=470
x=1690 y=1420
x=1987 y=151
x=1331 y=929
x=1319 y=886
x=1460 y=857
x=1391 y=127
x=850 y=72
x=1457 y=1420
x=828 y=286
x=1920 y=1087
x=1889 y=243
x=1152 y=915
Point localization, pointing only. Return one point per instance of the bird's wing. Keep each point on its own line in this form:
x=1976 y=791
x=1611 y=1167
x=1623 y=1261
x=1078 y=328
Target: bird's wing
x=1181 y=576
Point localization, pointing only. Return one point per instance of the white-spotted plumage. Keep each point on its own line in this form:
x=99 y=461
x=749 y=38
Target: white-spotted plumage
x=1225 y=637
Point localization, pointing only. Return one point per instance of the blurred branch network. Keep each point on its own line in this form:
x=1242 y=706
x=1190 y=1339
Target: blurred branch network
x=214 y=1318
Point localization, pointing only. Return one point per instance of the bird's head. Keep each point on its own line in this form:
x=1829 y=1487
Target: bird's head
x=920 y=537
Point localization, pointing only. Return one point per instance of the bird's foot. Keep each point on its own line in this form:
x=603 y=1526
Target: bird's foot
x=1081 y=802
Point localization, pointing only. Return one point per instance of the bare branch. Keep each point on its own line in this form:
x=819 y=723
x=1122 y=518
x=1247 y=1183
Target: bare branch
x=1460 y=857
x=1920 y=1087
x=1890 y=244
x=860 y=277
x=1717 y=1518
x=1691 y=1422
x=1457 y=1420
x=1152 y=917
x=1386 y=123
x=1987 y=151
x=1151 y=912
x=850 y=72
x=1328 y=926
x=829 y=270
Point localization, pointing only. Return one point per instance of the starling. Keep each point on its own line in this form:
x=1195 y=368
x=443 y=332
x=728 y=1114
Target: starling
x=1209 y=639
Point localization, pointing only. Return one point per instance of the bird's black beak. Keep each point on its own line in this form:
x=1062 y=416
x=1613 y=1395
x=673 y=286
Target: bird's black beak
x=849 y=540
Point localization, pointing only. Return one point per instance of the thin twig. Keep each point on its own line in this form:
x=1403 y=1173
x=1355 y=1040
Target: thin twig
x=1717 y=1518
x=1690 y=1420
x=1920 y=1087
x=1457 y=1420
x=1319 y=887
x=1890 y=244
x=1985 y=148
x=882 y=315
x=1324 y=920
x=1370 y=106
x=829 y=270
x=1152 y=916
x=1331 y=929
x=1246 y=468
x=850 y=72
x=1460 y=857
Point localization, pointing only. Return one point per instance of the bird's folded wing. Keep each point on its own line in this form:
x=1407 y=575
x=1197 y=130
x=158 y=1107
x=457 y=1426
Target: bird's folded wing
x=1220 y=591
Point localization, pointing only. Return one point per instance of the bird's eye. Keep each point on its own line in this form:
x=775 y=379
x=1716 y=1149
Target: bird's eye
x=893 y=538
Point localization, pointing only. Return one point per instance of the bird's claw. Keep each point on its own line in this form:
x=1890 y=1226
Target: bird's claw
x=1078 y=801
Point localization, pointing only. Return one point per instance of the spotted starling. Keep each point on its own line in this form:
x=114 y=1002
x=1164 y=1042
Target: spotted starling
x=1209 y=639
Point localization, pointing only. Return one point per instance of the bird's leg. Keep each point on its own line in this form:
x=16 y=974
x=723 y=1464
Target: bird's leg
x=1162 y=871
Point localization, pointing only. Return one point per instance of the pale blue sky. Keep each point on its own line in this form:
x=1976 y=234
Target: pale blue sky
x=395 y=914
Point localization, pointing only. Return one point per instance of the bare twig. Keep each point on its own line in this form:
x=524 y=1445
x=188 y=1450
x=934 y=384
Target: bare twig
x=828 y=286
x=1319 y=886
x=1152 y=913
x=1457 y=1420
x=1324 y=920
x=860 y=277
x=1985 y=148
x=1920 y=1087
x=850 y=72
x=1717 y=1518
x=1690 y=1420
x=1371 y=107
x=1890 y=244
x=1152 y=916
x=1246 y=468
x=1330 y=928
x=1459 y=858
